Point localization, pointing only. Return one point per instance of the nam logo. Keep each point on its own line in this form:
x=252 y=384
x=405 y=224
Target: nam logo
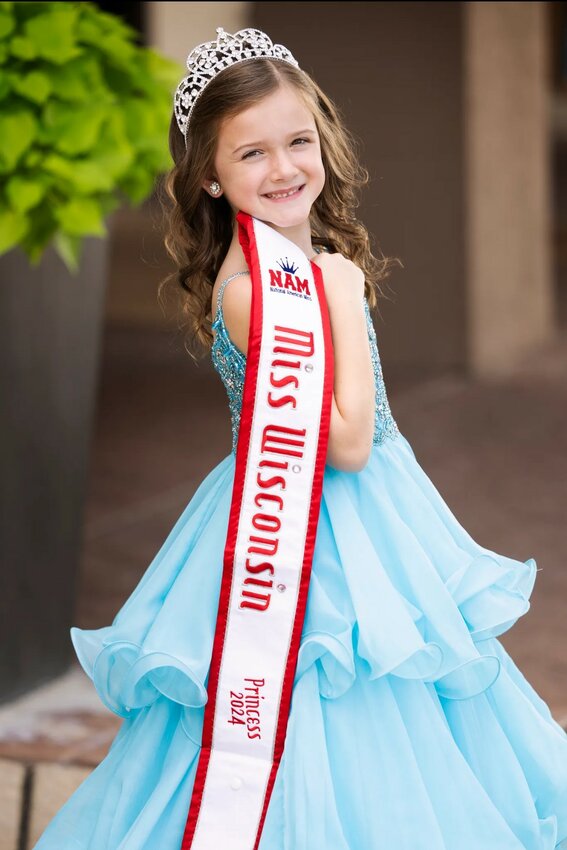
x=285 y=279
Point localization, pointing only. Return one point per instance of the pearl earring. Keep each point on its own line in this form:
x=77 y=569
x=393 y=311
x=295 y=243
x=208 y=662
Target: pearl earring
x=215 y=187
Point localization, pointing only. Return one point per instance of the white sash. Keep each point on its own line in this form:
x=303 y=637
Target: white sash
x=280 y=460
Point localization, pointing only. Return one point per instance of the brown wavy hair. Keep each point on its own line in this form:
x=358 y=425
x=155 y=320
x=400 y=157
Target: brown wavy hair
x=199 y=228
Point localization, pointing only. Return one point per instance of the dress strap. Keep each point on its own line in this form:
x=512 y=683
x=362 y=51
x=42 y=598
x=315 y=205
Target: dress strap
x=224 y=283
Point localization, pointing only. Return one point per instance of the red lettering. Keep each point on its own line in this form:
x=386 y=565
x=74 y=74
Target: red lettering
x=281 y=401
x=280 y=434
x=289 y=284
x=266 y=522
x=283 y=382
x=289 y=364
x=268 y=497
x=301 y=285
x=274 y=464
x=296 y=342
x=263 y=603
x=259 y=568
x=271 y=482
x=270 y=548
x=259 y=582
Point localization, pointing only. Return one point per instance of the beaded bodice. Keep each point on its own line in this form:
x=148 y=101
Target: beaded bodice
x=230 y=363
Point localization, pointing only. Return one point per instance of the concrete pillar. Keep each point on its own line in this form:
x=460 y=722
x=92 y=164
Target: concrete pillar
x=507 y=183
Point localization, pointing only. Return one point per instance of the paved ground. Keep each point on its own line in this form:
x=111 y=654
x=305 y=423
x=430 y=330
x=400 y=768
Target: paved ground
x=497 y=453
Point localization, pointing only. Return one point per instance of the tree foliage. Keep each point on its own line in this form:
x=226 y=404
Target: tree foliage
x=84 y=119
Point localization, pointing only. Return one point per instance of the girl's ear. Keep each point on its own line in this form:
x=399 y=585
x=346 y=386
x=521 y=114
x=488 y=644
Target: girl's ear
x=213 y=187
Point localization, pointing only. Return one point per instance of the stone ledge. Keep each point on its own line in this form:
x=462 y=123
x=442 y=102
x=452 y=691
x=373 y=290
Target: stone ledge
x=50 y=740
x=12 y=795
x=30 y=796
x=51 y=786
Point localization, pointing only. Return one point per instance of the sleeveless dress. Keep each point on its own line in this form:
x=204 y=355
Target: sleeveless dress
x=410 y=726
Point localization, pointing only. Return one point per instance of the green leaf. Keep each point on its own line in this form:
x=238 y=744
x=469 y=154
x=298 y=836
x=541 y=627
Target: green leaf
x=13 y=226
x=112 y=44
x=163 y=70
x=23 y=48
x=7 y=23
x=23 y=193
x=113 y=151
x=138 y=120
x=80 y=79
x=138 y=184
x=69 y=249
x=86 y=176
x=81 y=217
x=18 y=129
x=108 y=203
x=5 y=85
x=23 y=11
x=53 y=34
x=33 y=158
x=95 y=26
x=122 y=52
x=42 y=228
x=35 y=86
x=73 y=129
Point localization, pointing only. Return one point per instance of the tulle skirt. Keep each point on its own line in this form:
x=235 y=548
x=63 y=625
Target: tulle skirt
x=410 y=726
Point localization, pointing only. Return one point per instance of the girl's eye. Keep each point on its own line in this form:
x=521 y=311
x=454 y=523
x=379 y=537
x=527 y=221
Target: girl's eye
x=297 y=142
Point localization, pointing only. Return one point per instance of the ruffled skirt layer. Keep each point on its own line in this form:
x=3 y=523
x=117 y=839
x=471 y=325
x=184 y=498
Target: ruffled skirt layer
x=410 y=727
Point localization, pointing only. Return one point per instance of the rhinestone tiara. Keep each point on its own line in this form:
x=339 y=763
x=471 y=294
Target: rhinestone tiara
x=210 y=58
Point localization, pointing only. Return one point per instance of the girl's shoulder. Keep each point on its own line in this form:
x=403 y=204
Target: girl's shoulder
x=227 y=273
x=232 y=299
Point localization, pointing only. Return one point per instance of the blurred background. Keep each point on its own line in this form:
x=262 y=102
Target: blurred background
x=461 y=114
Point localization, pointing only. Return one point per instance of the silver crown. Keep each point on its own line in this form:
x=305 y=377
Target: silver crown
x=210 y=58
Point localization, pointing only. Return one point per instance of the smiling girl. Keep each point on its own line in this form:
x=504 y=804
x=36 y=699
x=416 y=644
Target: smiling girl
x=311 y=662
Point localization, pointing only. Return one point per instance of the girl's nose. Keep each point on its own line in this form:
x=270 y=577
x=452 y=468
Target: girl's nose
x=282 y=166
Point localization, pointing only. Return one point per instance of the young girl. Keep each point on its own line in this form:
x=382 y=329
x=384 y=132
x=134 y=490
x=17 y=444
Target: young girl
x=377 y=709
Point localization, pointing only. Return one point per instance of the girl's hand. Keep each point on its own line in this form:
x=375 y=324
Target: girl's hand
x=342 y=278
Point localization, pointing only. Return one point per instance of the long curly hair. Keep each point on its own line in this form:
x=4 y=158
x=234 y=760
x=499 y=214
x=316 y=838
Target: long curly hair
x=199 y=229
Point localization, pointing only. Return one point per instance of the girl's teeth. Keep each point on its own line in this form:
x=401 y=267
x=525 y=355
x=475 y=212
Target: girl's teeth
x=282 y=194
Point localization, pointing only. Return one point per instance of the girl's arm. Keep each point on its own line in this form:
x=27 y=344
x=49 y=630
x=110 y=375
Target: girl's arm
x=352 y=412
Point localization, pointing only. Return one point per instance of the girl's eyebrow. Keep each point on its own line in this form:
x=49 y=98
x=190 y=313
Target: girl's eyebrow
x=260 y=143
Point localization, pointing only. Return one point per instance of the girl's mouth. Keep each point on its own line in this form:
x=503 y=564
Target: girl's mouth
x=285 y=195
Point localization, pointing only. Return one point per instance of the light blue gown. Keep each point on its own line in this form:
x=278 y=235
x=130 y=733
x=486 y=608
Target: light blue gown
x=410 y=726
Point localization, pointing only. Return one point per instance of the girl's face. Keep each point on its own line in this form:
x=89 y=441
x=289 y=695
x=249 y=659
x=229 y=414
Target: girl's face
x=268 y=160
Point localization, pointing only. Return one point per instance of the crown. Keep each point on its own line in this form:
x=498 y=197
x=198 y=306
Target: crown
x=286 y=266
x=210 y=58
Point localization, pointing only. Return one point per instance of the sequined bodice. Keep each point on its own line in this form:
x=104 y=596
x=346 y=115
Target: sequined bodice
x=230 y=363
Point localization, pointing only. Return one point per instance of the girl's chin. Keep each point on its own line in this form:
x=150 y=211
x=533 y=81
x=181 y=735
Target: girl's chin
x=282 y=220
x=279 y=217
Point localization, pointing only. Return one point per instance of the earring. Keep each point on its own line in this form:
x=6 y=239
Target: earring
x=215 y=187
